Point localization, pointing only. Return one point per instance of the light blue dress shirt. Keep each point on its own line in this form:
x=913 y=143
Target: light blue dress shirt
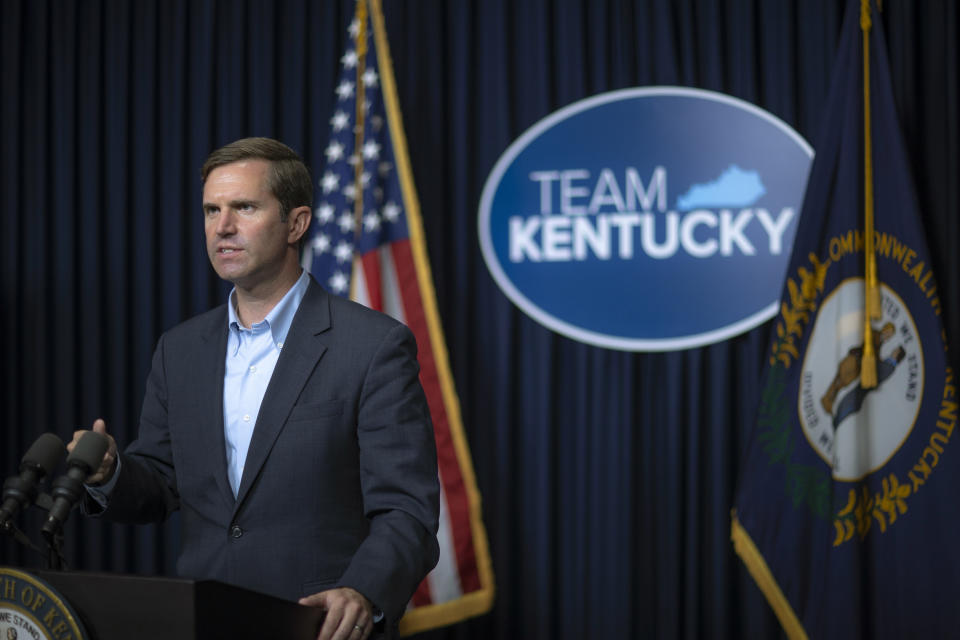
x=252 y=354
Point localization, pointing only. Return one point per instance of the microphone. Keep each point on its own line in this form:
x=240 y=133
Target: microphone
x=68 y=488
x=19 y=492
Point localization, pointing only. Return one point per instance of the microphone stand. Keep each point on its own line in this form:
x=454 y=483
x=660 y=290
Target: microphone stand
x=55 y=559
x=20 y=537
x=53 y=555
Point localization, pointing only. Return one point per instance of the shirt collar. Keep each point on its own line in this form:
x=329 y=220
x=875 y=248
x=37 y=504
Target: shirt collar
x=280 y=317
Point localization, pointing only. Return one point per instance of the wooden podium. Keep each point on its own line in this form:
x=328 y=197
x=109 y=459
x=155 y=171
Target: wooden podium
x=118 y=607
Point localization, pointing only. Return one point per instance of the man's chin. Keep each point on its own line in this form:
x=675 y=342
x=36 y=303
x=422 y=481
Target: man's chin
x=233 y=276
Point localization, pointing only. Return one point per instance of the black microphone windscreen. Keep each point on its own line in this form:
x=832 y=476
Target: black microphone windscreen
x=47 y=451
x=89 y=450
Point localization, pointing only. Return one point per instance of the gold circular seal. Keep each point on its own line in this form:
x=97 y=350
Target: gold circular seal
x=32 y=609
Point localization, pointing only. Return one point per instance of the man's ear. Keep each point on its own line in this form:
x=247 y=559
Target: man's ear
x=299 y=222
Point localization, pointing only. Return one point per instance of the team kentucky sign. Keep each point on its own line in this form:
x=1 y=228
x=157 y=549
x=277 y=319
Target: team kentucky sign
x=646 y=219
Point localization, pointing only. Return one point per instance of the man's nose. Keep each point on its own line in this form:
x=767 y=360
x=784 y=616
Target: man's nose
x=226 y=223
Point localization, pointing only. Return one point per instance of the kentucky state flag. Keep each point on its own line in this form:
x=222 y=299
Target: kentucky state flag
x=368 y=243
x=847 y=510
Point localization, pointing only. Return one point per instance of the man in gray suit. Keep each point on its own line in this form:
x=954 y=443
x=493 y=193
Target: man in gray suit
x=288 y=426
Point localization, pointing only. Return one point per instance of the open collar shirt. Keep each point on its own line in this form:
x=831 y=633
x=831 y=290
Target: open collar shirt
x=252 y=354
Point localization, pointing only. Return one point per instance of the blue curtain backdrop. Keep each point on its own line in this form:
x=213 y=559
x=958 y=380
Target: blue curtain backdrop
x=607 y=477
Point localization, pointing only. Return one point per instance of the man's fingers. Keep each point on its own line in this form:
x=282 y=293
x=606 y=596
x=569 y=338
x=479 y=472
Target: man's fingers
x=99 y=426
x=352 y=629
x=347 y=626
x=331 y=624
x=361 y=630
x=314 y=600
x=349 y=614
x=76 y=438
x=107 y=465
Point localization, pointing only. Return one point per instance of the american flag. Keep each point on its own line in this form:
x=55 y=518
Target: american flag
x=368 y=244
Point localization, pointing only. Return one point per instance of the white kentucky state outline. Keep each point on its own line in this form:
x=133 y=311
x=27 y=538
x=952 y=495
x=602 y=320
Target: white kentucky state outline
x=855 y=431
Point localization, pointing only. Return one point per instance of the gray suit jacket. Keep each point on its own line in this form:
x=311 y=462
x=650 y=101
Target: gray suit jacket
x=340 y=483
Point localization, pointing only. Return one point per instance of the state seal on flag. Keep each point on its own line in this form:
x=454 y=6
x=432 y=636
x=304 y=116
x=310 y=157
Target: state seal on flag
x=856 y=430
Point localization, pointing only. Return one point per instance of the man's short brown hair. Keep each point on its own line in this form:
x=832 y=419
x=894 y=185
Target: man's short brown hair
x=288 y=178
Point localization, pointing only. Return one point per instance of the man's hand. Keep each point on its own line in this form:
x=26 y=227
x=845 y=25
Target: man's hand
x=109 y=463
x=349 y=614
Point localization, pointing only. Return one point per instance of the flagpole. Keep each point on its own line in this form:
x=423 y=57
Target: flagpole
x=760 y=571
x=360 y=19
x=872 y=311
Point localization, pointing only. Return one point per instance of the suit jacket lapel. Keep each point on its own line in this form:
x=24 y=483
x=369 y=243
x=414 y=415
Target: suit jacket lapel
x=298 y=358
x=213 y=350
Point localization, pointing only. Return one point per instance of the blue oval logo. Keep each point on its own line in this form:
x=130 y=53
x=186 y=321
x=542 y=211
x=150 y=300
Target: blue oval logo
x=646 y=219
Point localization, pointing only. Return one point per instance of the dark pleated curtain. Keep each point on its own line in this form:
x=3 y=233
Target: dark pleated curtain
x=606 y=477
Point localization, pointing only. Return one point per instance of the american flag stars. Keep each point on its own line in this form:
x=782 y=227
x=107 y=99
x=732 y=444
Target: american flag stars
x=339 y=121
x=325 y=213
x=356 y=171
x=321 y=243
x=391 y=211
x=330 y=182
x=339 y=283
x=350 y=192
x=345 y=90
x=371 y=150
x=346 y=222
x=371 y=221
x=343 y=252
x=334 y=151
x=349 y=59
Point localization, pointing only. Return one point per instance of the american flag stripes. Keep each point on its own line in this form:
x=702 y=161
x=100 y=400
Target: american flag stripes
x=368 y=243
